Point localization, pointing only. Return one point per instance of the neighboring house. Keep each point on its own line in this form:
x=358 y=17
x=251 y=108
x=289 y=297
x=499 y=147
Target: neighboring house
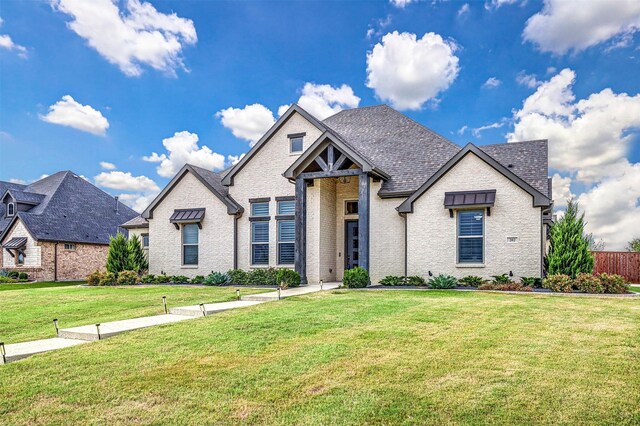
x=57 y=228
x=366 y=187
x=139 y=227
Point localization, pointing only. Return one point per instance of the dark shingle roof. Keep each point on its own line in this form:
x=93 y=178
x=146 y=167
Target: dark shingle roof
x=213 y=178
x=136 y=222
x=74 y=210
x=25 y=197
x=4 y=187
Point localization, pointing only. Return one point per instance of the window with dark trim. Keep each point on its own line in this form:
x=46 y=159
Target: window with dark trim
x=69 y=246
x=145 y=240
x=296 y=144
x=351 y=207
x=11 y=209
x=260 y=243
x=286 y=208
x=286 y=242
x=190 y=244
x=470 y=236
x=20 y=258
x=260 y=209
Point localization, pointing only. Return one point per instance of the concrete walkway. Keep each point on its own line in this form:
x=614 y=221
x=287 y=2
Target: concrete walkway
x=78 y=335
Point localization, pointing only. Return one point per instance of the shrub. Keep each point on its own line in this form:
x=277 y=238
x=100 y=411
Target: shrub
x=198 y=279
x=471 y=281
x=148 y=279
x=392 y=280
x=560 y=283
x=531 y=281
x=238 y=277
x=14 y=274
x=588 y=283
x=287 y=278
x=355 y=278
x=216 y=278
x=6 y=280
x=262 y=277
x=510 y=286
x=180 y=279
x=136 y=259
x=415 y=280
x=23 y=276
x=128 y=278
x=4 y=273
x=94 y=278
x=118 y=255
x=614 y=284
x=163 y=279
x=107 y=278
x=443 y=281
x=501 y=279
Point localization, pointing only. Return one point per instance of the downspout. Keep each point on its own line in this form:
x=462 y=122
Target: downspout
x=55 y=262
x=406 y=248
x=235 y=240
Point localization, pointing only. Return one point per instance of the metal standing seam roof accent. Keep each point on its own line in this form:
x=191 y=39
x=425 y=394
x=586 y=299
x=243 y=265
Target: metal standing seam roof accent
x=187 y=215
x=16 y=243
x=469 y=198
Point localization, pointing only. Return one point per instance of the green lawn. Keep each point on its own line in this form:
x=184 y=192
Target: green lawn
x=43 y=284
x=635 y=288
x=351 y=357
x=27 y=313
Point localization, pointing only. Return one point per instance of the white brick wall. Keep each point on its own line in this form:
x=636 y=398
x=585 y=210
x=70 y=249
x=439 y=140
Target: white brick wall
x=432 y=233
x=387 y=236
x=215 y=238
x=31 y=253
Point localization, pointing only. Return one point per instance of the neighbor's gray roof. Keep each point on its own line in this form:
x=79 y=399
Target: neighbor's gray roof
x=136 y=222
x=4 y=187
x=411 y=153
x=25 y=197
x=73 y=210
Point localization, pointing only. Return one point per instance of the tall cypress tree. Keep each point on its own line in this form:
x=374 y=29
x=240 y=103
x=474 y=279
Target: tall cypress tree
x=137 y=260
x=569 y=245
x=118 y=256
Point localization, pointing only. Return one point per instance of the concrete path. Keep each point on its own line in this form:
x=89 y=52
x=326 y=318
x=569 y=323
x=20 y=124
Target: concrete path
x=18 y=351
x=109 y=329
x=295 y=291
x=211 y=308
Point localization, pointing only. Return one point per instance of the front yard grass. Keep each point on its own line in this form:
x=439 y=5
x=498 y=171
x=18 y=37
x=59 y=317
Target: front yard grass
x=351 y=357
x=27 y=313
x=39 y=284
x=635 y=288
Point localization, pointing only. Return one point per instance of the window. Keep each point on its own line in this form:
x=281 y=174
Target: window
x=260 y=209
x=260 y=243
x=295 y=144
x=20 y=258
x=286 y=208
x=286 y=242
x=145 y=240
x=11 y=209
x=351 y=207
x=470 y=236
x=190 y=244
x=69 y=246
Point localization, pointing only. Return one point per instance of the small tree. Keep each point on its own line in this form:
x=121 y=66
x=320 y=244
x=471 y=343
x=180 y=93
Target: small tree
x=118 y=256
x=634 y=245
x=569 y=246
x=137 y=259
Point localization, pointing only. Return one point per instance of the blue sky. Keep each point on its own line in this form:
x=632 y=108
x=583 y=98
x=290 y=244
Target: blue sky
x=84 y=83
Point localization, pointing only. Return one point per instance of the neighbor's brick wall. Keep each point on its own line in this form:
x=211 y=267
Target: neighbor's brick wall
x=432 y=233
x=77 y=264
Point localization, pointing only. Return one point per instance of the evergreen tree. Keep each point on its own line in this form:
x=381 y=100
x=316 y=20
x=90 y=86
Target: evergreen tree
x=137 y=259
x=569 y=245
x=118 y=256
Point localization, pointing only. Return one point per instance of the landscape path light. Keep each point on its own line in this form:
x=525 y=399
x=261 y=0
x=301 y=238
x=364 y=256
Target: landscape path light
x=55 y=324
x=164 y=303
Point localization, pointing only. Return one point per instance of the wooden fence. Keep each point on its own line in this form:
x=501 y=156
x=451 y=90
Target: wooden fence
x=622 y=263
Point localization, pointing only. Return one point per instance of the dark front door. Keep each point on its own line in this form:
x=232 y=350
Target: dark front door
x=350 y=244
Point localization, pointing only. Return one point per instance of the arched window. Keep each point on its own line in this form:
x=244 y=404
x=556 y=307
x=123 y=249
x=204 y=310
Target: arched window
x=11 y=209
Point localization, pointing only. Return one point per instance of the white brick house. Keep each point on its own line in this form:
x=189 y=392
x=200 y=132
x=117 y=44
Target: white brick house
x=366 y=187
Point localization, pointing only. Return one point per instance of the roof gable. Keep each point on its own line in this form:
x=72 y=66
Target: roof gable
x=539 y=199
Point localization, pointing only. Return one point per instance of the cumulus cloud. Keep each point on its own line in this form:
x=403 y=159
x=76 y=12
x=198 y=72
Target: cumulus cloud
x=107 y=166
x=491 y=83
x=68 y=112
x=575 y=25
x=590 y=137
x=407 y=72
x=323 y=100
x=129 y=38
x=125 y=182
x=495 y=4
x=138 y=202
x=234 y=159
x=18 y=181
x=182 y=148
x=7 y=43
x=248 y=123
x=401 y=3
x=561 y=190
x=529 y=80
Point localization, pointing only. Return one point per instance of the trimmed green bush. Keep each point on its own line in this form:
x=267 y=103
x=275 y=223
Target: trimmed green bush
x=198 y=279
x=238 y=277
x=415 y=280
x=613 y=283
x=443 y=281
x=501 y=279
x=163 y=279
x=531 y=282
x=180 y=279
x=107 y=279
x=7 y=280
x=216 y=278
x=588 y=283
x=23 y=276
x=471 y=281
x=355 y=278
x=392 y=280
x=262 y=277
x=560 y=283
x=128 y=278
x=94 y=278
x=510 y=286
x=287 y=278
x=14 y=275
x=148 y=279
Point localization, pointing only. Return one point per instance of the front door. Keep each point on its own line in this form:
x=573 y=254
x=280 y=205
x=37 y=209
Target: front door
x=350 y=244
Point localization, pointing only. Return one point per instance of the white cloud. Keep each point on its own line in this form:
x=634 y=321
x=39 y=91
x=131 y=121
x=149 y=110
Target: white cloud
x=138 y=202
x=7 y=43
x=139 y=35
x=529 y=80
x=68 y=112
x=42 y=176
x=234 y=159
x=551 y=70
x=248 y=123
x=408 y=72
x=575 y=25
x=590 y=137
x=401 y=3
x=611 y=208
x=495 y=4
x=107 y=166
x=462 y=129
x=476 y=131
x=182 y=148
x=323 y=100
x=491 y=83
x=126 y=182
x=282 y=109
x=464 y=9
x=561 y=187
